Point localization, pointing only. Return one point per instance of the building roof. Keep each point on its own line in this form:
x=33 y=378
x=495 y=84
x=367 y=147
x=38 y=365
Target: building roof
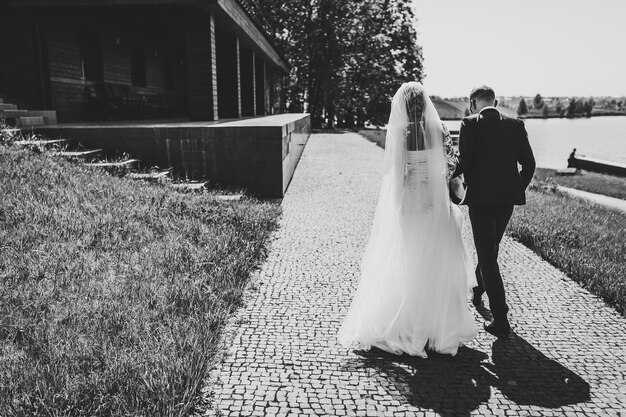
x=234 y=9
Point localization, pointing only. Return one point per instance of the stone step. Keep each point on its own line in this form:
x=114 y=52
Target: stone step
x=190 y=186
x=50 y=116
x=150 y=176
x=118 y=164
x=7 y=106
x=30 y=121
x=79 y=154
x=567 y=171
x=228 y=197
x=39 y=143
x=12 y=113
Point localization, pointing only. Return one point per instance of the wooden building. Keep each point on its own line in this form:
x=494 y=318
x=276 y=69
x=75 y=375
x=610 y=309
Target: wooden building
x=189 y=85
x=95 y=60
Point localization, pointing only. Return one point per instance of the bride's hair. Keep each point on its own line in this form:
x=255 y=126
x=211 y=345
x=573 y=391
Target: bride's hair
x=414 y=95
x=415 y=105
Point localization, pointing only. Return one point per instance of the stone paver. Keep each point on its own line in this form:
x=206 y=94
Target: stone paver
x=567 y=355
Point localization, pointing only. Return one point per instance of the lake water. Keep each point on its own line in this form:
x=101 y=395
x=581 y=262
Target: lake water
x=602 y=137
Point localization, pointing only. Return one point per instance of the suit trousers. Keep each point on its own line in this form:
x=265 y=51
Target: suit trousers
x=488 y=225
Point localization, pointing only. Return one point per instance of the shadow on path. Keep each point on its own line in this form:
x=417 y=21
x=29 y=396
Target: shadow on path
x=527 y=376
x=456 y=386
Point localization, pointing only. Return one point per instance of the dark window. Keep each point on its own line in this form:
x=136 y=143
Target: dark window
x=168 y=71
x=91 y=56
x=137 y=65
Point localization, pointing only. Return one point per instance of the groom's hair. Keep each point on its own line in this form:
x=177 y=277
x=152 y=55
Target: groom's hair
x=482 y=93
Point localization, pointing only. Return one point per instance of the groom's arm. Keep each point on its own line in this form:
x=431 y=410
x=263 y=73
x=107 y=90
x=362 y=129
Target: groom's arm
x=466 y=149
x=526 y=158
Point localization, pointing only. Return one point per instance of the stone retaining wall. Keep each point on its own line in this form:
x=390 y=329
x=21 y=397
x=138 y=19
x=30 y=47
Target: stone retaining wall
x=258 y=154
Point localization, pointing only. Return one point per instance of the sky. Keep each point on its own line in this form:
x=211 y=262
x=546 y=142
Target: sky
x=524 y=47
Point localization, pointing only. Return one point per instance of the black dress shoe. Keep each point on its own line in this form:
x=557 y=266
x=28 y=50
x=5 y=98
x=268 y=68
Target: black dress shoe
x=477 y=300
x=498 y=328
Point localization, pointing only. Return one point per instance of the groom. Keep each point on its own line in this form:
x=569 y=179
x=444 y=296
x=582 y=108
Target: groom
x=490 y=146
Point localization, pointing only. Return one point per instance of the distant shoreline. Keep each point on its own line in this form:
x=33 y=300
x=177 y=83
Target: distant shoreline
x=578 y=116
x=451 y=110
x=552 y=116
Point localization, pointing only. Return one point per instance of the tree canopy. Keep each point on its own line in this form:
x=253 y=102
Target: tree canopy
x=522 y=108
x=571 y=109
x=348 y=57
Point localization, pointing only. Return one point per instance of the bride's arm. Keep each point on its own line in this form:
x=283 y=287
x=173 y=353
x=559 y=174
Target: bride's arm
x=450 y=154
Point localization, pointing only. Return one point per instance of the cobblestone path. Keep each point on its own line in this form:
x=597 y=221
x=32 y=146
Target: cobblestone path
x=566 y=356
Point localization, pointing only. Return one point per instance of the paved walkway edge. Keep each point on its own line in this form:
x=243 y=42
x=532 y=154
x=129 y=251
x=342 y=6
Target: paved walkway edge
x=602 y=200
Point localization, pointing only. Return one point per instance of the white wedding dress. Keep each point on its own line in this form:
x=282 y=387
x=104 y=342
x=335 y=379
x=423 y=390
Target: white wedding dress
x=415 y=272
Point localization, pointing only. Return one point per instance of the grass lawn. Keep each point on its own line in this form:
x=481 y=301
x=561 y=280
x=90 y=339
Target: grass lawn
x=586 y=241
x=592 y=182
x=374 y=135
x=113 y=293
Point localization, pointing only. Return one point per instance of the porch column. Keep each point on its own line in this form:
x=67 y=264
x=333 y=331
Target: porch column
x=228 y=88
x=238 y=77
x=246 y=61
x=201 y=76
x=214 y=70
x=253 y=83
x=259 y=82
x=269 y=91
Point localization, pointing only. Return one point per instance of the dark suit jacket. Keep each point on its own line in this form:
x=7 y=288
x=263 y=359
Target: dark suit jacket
x=490 y=147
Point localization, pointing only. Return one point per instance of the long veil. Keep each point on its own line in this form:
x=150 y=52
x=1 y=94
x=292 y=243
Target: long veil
x=428 y=187
x=410 y=293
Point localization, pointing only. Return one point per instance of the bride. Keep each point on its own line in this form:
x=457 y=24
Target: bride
x=415 y=272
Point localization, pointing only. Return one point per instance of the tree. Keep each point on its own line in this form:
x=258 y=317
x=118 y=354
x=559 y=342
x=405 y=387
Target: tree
x=545 y=112
x=571 y=109
x=538 y=101
x=347 y=58
x=310 y=35
x=522 y=108
x=558 y=107
x=388 y=54
x=588 y=107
